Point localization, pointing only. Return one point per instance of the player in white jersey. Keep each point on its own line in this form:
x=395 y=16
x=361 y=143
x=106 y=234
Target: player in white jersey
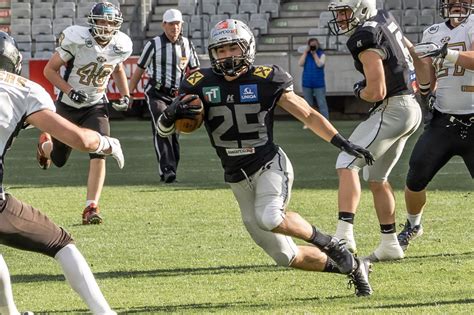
x=23 y=227
x=448 y=49
x=92 y=55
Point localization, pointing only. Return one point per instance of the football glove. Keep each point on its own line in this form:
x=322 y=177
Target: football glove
x=111 y=146
x=352 y=149
x=358 y=86
x=123 y=104
x=430 y=49
x=78 y=96
x=180 y=108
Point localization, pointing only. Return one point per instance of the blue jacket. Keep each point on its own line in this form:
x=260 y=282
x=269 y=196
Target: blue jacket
x=313 y=76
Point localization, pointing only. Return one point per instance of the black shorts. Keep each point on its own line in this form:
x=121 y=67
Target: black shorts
x=441 y=140
x=94 y=117
x=26 y=228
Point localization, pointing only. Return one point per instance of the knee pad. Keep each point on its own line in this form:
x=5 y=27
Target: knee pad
x=283 y=259
x=96 y=156
x=416 y=181
x=270 y=216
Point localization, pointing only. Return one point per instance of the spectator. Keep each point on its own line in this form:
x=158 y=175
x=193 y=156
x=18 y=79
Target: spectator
x=166 y=57
x=313 y=60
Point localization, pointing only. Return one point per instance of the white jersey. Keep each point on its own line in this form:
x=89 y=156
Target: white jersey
x=19 y=98
x=90 y=65
x=455 y=90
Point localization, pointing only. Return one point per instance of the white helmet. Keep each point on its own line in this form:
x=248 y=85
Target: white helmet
x=361 y=10
x=108 y=12
x=464 y=9
x=231 y=32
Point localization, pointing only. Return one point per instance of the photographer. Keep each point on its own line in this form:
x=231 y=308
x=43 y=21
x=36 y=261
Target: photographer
x=314 y=86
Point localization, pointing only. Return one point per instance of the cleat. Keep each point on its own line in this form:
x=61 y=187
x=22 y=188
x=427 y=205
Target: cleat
x=169 y=177
x=409 y=234
x=43 y=161
x=90 y=215
x=343 y=258
x=386 y=253
x=359 y=278
x=349 y=243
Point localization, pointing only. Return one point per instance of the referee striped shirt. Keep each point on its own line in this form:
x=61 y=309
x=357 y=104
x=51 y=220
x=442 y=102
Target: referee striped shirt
x=166 y=62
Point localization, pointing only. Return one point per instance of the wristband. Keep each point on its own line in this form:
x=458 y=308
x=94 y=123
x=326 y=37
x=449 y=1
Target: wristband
x=452 y=55
x=424 y=88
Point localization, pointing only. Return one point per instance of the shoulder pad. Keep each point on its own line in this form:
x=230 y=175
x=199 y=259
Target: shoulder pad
x=74 y=34
x=194 y=78
x=362 y=39
x=262 y=71
x=123 y=42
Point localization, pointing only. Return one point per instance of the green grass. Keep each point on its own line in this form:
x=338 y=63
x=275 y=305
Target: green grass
x=182 y=248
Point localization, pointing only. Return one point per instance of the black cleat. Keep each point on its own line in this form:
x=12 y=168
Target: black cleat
x=169 y=177
x=337 y=251
x=360 y=278
x=408 y=234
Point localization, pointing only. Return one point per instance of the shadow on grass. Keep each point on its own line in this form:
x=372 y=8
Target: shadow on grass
x=417 y=305
x=157 y=273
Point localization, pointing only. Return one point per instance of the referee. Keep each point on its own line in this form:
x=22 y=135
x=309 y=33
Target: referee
x=166 y=58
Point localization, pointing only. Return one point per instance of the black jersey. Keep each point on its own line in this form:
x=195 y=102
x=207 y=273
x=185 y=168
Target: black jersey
x=383 y=32
x=239 y=115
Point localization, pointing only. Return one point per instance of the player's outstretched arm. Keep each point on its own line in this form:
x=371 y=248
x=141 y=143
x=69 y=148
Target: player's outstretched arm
x=299 y=108
x=51 y=72
x=81 y=139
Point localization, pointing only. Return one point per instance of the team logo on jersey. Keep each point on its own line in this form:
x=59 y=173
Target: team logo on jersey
x=89 y=43
x=262 y=71
x=248 y=93
x=212 y=94
x=118 y=49
x=445 y=40
x=195 y=78
x=433 y=29
x=101 y=59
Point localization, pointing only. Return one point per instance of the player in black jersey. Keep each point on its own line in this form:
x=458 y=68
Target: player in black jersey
x=377 y=46
x=239 y=101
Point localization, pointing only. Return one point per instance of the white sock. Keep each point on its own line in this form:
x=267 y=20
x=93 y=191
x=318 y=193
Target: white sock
x=89 y=202
x=80 y=278
x=7 y=305
x=414 y=219
x=388 y=239
x=344 y=230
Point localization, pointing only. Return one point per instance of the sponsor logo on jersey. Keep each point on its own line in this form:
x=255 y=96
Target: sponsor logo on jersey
x=230 y=98
x=212 y=94
x=194 y=78
x=240 y=151
x=433 y=29
x=248 y=93
x=262 y=71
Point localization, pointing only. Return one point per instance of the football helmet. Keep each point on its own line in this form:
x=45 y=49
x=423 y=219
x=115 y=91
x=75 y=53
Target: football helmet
x=104 y=11
x=449 y=9
x=230 y=32
x=356 y=13
x=10 y=56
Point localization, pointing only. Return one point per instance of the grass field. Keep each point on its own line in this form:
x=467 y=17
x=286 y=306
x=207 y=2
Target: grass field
x=182 y=248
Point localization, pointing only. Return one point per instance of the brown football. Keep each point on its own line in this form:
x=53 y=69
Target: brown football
x=188 y=125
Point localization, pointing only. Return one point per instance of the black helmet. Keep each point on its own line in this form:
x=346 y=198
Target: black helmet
x=108 y=12
x=10 y=56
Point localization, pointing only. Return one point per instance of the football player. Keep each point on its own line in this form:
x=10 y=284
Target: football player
x=21 y=225
x=450 y=132
x=381 y=56
x=239 y=101
x=91 y=55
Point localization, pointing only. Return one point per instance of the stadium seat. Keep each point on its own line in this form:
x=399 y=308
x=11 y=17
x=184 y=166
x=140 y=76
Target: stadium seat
x=20 y=5
x=248 y=8
x=428 y=4
x=425 y=20
x=45 y=13
x=261 y=25
x=412 y=12
x=41 y=29
x=43 y=5
x=398 y=15
x=58 y=26
x=411 y=4
x=410 y=24
x=220 y=17
x=20 y=29
x=20 y=14
x=272 y=8
x=46 y=54
x=324 y=18
x=379 y=4
x=227 y=8
x=64 y=12
x=45 y=38
x=81 y=21
x=41 y=21
x=209 y=9
x=195 y=24
x=270 y=1
x=412 y=37
x=430 y=12
x=187 y=9
x=26 y=38
x=83 y=10
x=393 y=4
x=213 y=2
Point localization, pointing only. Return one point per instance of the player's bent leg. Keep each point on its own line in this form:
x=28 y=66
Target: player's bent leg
x=80 y=278
x=43 y=150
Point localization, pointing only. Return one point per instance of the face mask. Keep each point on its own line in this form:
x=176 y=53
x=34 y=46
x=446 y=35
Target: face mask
x=312 y=48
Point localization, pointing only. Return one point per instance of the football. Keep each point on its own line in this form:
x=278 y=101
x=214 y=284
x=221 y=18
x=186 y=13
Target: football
x=188 y=125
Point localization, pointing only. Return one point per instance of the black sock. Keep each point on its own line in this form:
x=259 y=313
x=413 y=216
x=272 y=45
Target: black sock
x=387 y=228
x=347 y=217
x=319 y=238
x=331 y=266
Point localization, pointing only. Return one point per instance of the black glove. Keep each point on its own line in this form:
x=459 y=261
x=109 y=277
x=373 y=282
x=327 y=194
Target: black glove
x=78 y=96
x=180 y=108
x=123 y=104
x=358 y=86
x=353 y=149
x=427 y=102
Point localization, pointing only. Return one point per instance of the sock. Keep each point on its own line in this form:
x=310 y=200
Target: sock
x=346 y=217
x=319 y=238
x=387 y=228
x=80 y=278
x=331 y=266
x=414 y=219
x=89 y=202
x=344 y=230
x=389 y=239
x=7 y=305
